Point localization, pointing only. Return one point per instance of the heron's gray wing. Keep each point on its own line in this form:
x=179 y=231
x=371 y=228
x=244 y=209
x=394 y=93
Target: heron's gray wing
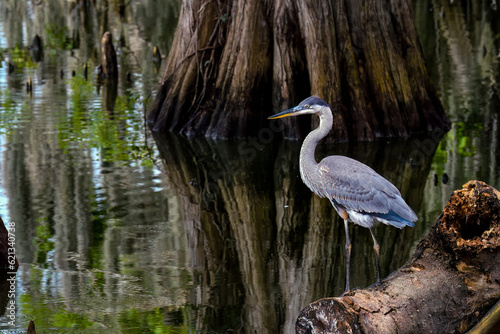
x=355 y=186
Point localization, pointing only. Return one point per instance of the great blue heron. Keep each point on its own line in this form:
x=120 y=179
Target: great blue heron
x=357 y=192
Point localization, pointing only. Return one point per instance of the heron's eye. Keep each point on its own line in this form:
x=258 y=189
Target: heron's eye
x=306 y=106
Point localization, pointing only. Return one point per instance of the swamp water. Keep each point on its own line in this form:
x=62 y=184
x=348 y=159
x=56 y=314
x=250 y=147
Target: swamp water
x=118 y=231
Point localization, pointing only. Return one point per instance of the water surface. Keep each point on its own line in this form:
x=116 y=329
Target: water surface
x=121 y=231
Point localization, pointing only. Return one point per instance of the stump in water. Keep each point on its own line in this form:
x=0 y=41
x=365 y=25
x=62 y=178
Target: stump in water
x=109 y=64
x=31 y=327
x=37 y=49
x=451 y=281
x=108 y=73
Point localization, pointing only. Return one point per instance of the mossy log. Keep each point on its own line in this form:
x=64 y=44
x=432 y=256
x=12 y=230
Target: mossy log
x=448 y=285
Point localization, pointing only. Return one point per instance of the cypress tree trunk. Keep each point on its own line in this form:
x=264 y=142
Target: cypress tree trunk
x=234 y=63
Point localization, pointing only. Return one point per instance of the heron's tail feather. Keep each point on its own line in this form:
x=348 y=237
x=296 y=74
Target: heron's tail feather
x=394 y=220
x=400 y=214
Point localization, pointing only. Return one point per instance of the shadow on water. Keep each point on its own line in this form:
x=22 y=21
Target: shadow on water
x=262 y=242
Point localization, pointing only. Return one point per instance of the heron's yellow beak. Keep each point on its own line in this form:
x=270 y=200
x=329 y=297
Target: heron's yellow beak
x=287 y=113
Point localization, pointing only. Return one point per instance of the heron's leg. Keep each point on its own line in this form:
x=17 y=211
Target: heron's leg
x=376 y=247
x=348 y=257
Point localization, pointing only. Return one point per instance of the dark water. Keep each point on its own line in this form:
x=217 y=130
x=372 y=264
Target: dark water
x=119 y=231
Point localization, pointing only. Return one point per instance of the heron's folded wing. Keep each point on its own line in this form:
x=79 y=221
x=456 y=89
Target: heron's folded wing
x=355 y=186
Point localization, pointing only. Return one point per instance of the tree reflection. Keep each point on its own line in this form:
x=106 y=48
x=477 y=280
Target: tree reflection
x=95 y=238
x=461 y=48
x=273 y=246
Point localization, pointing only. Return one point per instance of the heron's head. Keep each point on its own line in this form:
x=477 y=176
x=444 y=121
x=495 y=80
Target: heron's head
x=311 y=105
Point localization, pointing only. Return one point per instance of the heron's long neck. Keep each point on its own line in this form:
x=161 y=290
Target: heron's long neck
x=307 y=162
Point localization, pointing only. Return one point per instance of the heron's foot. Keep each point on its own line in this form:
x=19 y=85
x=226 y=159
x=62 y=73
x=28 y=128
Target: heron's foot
x=378 y=284
x=347 y=293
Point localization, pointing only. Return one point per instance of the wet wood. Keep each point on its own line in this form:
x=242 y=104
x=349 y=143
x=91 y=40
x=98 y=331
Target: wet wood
x=156 y=59
x=448 y=285
x=109 y=63
x=31 y=327
x=37 y=49
x=490 y=324
x=232 y=63
x=108 y=73
x=109 y=96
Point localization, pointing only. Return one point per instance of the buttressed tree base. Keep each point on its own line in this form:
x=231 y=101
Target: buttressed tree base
x=233 y=63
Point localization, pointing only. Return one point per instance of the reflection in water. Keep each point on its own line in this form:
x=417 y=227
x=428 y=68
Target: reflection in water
x=215 y=235
x=98 y=233
x=461 y=50
x=266 y=237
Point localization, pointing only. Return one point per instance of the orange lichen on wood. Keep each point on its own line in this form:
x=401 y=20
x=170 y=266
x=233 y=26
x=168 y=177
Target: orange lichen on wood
x=471 y=219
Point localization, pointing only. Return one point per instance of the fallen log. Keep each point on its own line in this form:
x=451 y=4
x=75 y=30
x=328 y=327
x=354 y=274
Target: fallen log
x=451 y=281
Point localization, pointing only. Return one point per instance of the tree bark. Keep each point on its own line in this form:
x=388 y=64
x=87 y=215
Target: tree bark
x=31 y=327
x=109 y=63
x=232 y=62
x=108 y=73
x=450 y=282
